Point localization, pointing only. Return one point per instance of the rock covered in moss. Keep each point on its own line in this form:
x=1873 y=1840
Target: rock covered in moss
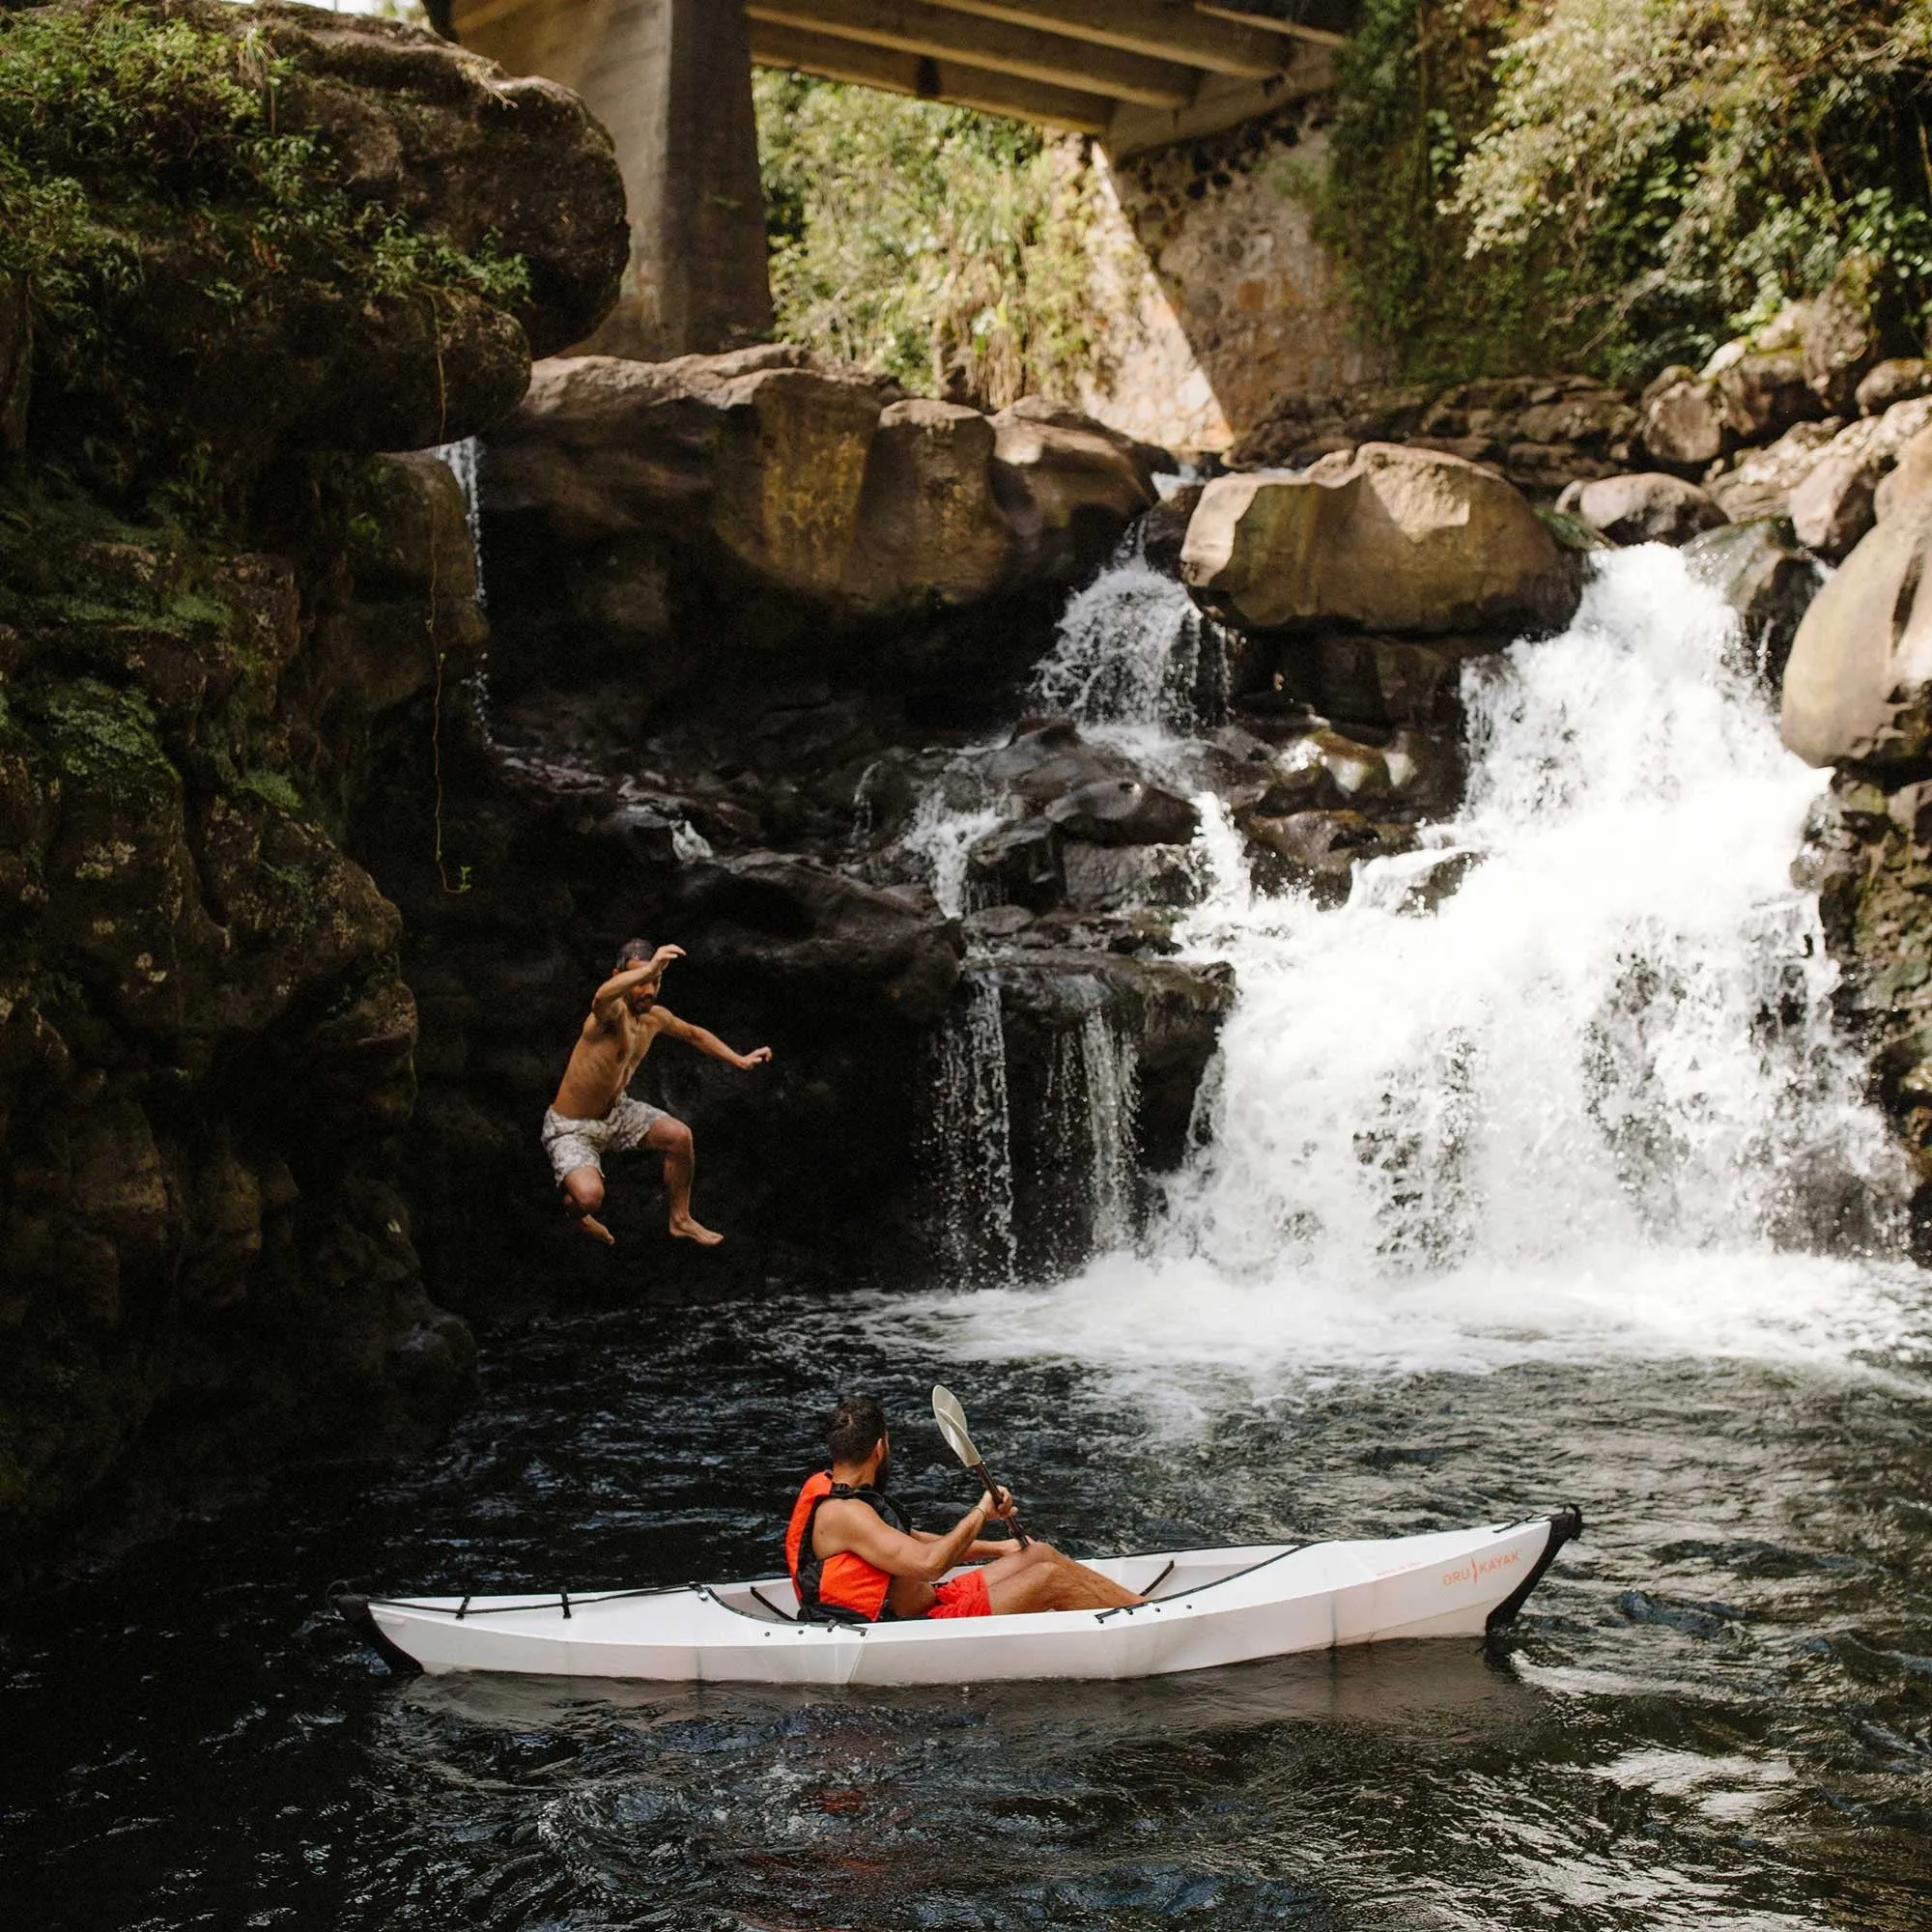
x=293 y=230
x=458 y=147
x=204 y=1040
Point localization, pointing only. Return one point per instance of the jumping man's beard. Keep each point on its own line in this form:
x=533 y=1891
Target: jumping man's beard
x=883 y=1480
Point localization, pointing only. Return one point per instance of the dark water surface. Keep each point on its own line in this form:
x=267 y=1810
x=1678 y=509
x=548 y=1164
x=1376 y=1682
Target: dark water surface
x=1716 y=1711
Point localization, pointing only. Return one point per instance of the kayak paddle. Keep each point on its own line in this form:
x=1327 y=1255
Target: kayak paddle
x=951 y=1420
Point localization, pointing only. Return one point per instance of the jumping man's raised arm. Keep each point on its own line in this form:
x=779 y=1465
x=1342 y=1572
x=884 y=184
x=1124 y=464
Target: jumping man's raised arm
x=603 y=1002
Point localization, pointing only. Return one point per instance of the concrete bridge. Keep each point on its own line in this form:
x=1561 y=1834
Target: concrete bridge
x=672 y=79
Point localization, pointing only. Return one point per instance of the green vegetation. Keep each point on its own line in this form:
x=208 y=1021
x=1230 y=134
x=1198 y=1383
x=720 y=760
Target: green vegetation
x=944 y=247
x=1623 y=184
x=143 y=177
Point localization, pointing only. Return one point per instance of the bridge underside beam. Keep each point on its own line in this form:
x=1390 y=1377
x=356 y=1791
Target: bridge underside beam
x=917 y=27
x=958 y=82
x=1175 y=30
x=1326 y=22
x=1136 y=73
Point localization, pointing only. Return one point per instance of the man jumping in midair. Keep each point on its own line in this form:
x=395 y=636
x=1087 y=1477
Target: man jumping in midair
x=593 y=1113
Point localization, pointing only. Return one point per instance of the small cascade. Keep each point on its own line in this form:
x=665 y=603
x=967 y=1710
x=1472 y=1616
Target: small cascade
x=1109 y=1078
x=969 y=1146
x=463 y=461
x=1134 y=650
x=1084 y=1138
x=940 y=839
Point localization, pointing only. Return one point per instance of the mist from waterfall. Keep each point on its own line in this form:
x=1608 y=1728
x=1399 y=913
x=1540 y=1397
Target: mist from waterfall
x=1594 y=1101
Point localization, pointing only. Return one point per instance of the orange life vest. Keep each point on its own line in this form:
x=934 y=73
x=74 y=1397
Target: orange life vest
x=836 y=1589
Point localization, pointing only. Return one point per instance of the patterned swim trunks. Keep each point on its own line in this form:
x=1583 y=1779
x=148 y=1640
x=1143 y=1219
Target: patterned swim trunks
x=573 y=1144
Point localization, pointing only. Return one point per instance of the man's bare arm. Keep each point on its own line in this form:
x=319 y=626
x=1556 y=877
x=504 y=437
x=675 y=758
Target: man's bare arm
x=603 y=1002
x=981 y=1551
x=858 y=1528
x=709 y=1043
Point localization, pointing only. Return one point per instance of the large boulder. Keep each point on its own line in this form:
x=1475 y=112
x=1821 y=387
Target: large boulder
x=1841 y=332
x=1683 y=420
x=1763 y=393
x=450 y=142
x=1649 y=507
x=1863 y=653
x=776 y=470
x=1069 y=484
x=1900 y=379
x=1389 y=538
x=929 y=522
x=763 y=452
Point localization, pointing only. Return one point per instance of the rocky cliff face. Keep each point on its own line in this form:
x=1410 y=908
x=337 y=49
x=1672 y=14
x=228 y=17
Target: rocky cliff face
x=205 y=1037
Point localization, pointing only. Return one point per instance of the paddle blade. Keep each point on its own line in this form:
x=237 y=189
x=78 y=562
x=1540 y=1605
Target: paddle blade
x=951 y=1420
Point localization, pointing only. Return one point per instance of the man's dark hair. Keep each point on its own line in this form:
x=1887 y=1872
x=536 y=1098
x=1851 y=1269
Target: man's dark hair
x=632 y=948
x=854 y=1429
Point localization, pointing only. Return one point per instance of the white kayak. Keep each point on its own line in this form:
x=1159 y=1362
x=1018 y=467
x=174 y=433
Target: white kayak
x=1205 y=1607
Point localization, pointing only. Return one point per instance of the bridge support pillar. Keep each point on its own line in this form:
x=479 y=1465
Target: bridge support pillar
x=672 y=79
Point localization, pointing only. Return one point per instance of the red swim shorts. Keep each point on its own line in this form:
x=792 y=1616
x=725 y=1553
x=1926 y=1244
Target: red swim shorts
x=963 y=1596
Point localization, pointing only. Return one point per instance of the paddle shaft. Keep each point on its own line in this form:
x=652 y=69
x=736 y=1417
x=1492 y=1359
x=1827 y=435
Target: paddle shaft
x=992 y=1489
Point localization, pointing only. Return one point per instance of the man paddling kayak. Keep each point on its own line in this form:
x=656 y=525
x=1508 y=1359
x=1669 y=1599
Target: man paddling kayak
x=853 y=1559
x=593 y=1113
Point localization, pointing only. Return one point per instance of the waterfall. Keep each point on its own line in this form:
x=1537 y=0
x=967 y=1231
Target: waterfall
x=1089 y=1101
x=940 y=838
x=1134 y=649
x=462 y=458
x=969 y=1145
x=1596 y=1099
x=1617 y=1031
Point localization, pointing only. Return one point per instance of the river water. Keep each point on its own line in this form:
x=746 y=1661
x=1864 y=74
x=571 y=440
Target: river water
x=1564 y=1191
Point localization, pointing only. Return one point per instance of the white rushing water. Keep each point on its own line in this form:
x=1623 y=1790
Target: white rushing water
x=1594 y=1103
x=1134 y=649
x=463 y=459
x=1091 y=1097
x=969 y=1145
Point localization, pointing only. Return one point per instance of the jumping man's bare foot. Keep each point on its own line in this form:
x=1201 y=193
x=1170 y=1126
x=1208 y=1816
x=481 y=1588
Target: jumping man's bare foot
x=596 y=1230
x=687 y=1230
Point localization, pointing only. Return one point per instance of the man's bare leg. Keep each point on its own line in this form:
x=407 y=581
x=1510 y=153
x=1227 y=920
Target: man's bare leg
x=672 y=1139
x=1039 y=1578
x=583 y=1195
